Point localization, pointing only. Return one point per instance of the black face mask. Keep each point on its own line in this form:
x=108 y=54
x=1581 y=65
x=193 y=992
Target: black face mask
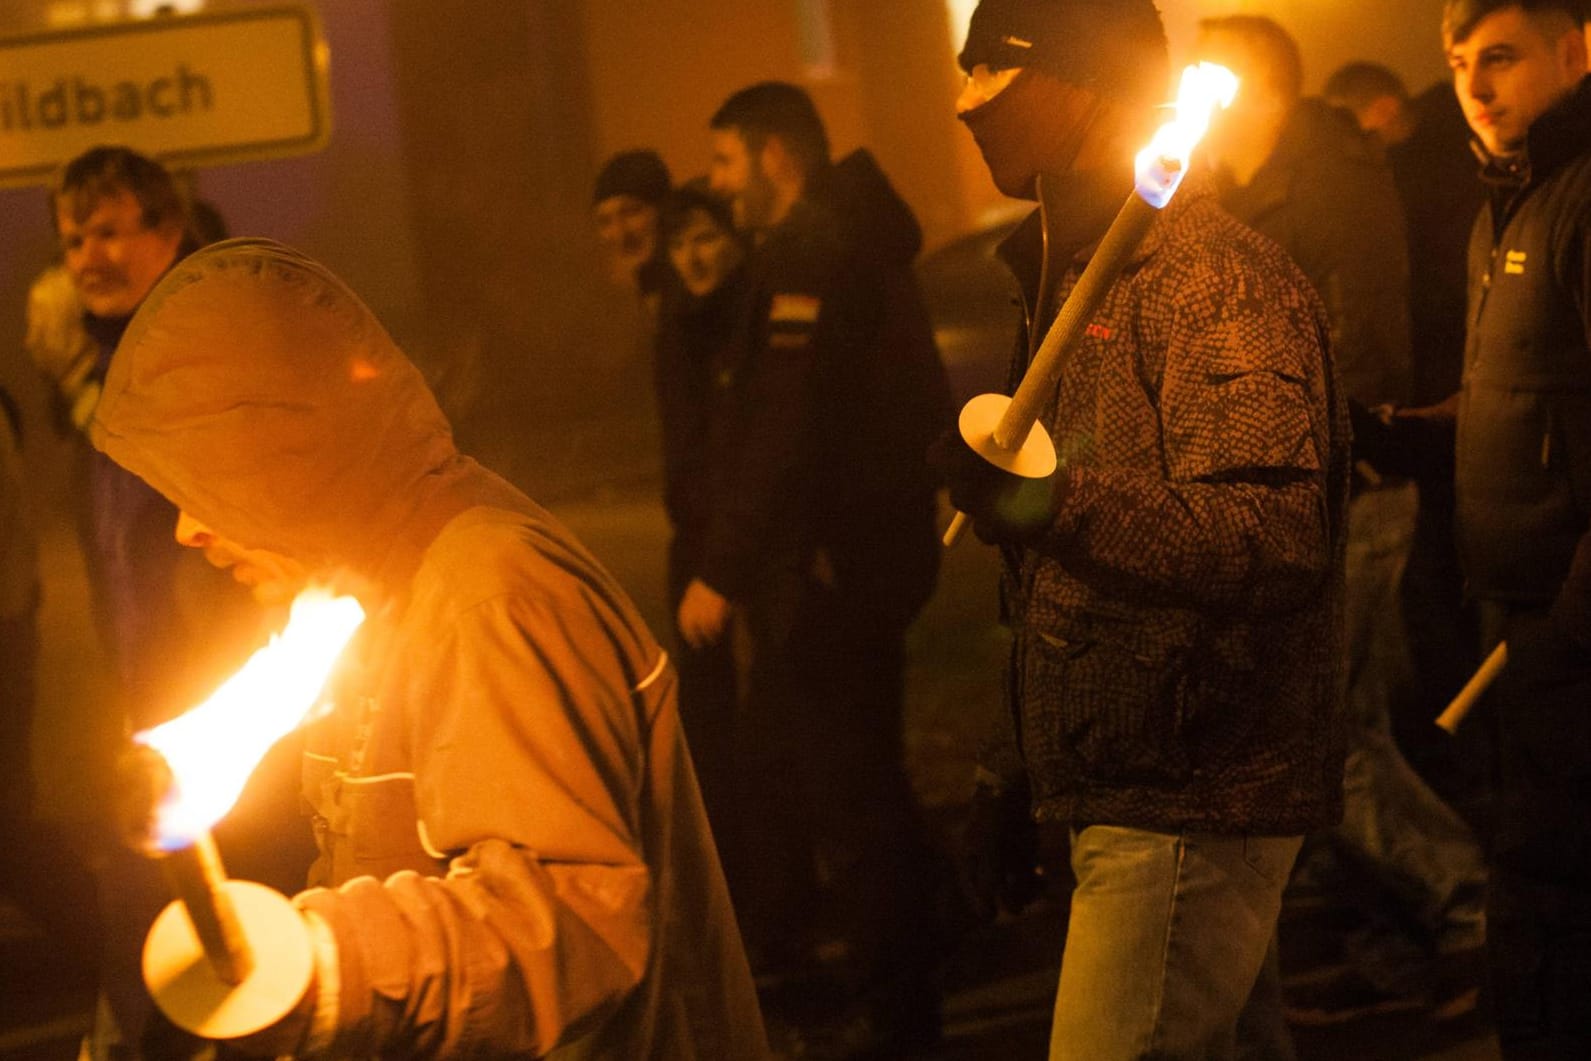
x=1036 y=125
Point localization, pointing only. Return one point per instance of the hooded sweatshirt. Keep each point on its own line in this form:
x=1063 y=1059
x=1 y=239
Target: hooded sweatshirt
x=514 y=857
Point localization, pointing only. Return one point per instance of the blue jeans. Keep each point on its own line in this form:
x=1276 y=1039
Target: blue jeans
x=1167 y=936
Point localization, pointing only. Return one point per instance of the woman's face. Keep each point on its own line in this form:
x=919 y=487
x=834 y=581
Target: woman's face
x=703 y=253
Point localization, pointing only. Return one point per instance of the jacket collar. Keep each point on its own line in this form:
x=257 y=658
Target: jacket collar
x=1559 y=135
x=1052 y=229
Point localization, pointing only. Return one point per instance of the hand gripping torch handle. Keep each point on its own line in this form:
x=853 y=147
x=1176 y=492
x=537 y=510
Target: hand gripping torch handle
x=1015 y=426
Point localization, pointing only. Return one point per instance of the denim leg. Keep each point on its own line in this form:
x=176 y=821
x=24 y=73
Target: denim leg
x=1167 y=936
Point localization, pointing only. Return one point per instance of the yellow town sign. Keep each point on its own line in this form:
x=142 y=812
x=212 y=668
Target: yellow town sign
x=191 y=91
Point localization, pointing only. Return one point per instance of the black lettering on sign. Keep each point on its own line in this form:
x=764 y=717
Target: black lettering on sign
x=79 y=100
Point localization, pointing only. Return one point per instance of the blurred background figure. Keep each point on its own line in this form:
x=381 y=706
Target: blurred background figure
x=171 y=624
x=698 y=328
x=39 y=872
x=122 y=222
x=624 y=206
x=1376 y=97
x=820 y=540
x=1427 y=144
x=1300 y=171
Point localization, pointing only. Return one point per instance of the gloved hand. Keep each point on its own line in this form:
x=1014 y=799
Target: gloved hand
x=1410 y=442
x=1005 y=509
x=1000 y=852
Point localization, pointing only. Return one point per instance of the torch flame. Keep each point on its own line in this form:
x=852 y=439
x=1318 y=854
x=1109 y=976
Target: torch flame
x=213 y=748
x=1160 y=166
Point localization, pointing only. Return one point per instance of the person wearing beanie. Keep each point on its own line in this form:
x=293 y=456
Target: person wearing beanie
x=624 y=203
x=1175 y=588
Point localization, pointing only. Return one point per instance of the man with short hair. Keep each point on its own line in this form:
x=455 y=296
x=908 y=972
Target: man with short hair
x=1524 y=494
x=1375 y=96
x=819 y=530
x=122 y=222
x=1175 y=589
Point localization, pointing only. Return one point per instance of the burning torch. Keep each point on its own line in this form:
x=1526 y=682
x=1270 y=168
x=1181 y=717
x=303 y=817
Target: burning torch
x=1005 y=431
x=229 y=958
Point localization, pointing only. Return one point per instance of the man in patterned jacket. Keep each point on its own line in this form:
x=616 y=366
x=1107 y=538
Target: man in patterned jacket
x=1175 y=590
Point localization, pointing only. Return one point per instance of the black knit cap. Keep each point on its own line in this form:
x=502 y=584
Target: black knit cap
x=1115 y=47
x=639 y=173
x=676 y=210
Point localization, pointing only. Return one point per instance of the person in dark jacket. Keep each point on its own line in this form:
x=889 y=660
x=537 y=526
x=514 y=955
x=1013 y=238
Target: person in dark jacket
x=1523 y=478
x=629 y=189
x=1300 y=172
x=172 y=625
x=1175 y=591
x=820 y=538
x=698 y=328
x=1427 y=142
x=122 y=222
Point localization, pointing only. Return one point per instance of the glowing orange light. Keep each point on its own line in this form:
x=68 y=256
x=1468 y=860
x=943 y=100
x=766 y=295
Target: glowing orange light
x=1160 y=166
x=213 y=748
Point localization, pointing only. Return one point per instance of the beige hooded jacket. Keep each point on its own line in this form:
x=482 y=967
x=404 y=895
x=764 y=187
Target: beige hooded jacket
x=503 y=796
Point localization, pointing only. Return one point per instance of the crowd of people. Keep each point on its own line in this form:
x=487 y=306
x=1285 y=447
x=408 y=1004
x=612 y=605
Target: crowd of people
x=1324 y=446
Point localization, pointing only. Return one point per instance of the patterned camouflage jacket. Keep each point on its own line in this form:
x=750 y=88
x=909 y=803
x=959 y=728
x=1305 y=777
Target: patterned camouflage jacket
x=1177 y=654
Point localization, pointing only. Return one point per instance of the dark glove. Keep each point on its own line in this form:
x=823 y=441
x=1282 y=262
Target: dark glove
x=1374 y=439
x=1005 y=509
x=1413 y=443
x=1000 y=852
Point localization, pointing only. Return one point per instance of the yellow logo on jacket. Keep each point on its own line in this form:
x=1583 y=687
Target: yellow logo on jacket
x=1514 y=262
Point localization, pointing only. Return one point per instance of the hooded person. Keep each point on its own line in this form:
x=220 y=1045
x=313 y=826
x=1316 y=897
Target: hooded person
x=513 y=854
x=1175 y=588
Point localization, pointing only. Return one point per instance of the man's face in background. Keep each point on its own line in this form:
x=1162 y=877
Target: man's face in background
x=1510 y=69
x=113 y=258
x=736 y=174
x=627 y=231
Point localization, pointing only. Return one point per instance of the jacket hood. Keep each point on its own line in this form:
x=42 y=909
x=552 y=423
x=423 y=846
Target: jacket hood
x=871 y=214
x=260 y=395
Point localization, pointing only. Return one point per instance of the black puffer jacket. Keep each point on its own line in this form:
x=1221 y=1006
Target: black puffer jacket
x=1524 y=423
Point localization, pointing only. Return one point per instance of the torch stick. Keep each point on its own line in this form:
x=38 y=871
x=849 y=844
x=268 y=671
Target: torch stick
x=1015 y=429
x=1478 y=683
x=196 y=875
x=1016 y=442
x=229 y=957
